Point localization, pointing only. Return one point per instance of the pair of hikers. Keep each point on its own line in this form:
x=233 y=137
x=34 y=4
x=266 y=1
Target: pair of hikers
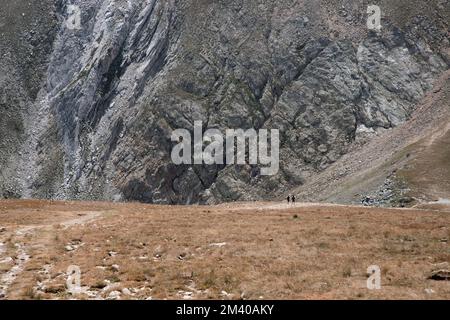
x=290 y=198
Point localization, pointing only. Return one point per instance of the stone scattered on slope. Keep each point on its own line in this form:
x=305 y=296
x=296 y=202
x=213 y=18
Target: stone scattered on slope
x=440 y=275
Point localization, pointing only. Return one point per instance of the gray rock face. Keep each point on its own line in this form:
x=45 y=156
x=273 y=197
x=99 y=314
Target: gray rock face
x=26 y=37
x=115 y=89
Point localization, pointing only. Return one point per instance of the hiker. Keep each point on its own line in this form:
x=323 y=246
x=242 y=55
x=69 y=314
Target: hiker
x=288 y=199
x=293 y=199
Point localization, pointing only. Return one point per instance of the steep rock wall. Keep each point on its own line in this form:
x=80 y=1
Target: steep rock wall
x=136 y=70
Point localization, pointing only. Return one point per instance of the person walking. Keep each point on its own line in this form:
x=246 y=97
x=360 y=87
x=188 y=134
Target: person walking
x=293 y=199
x=288 y=199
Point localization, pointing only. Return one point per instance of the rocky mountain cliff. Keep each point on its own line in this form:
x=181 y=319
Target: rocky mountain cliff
x=87 y=113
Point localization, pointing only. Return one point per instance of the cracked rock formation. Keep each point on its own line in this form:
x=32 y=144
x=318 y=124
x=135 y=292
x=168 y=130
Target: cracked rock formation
x=87 y=113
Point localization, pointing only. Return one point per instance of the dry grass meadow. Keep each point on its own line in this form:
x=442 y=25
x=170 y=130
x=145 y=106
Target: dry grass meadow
x=236 y=251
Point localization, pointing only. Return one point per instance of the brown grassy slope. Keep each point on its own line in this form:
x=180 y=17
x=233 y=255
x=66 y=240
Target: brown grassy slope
x=255 y=251
x=428 y=175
